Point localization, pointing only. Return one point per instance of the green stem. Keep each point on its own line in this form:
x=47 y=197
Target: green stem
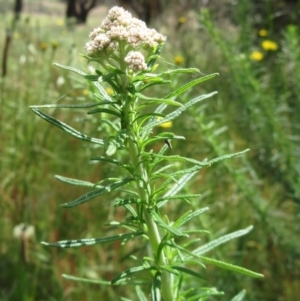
x=152 y=228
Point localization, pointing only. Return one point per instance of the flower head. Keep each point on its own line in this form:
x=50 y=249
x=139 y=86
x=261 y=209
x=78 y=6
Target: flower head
x=118 y=27
x=263 y=33
x=269 y=45
x=256 y=56
x=135 y=61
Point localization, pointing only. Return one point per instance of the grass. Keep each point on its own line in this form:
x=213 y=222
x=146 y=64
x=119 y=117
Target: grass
x=257 y=108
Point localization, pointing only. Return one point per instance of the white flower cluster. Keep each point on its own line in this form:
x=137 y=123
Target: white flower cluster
x=119 y=26
x=135 y=61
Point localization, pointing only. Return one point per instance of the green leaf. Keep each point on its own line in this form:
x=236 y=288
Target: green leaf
x=103 y=110
x=162 y=136
x=67 y=128
x=224 y=157
x=178 y=197
x=231 y=267
x=110 y=160
x=83 y=74
x=188 y=216
x=123 y=202
x=157 y=219
x=151 y=100
x=130 y=271
x=70 y=106
x=191 y=84
x=80 y=279
x=221 y=240
x=74 y=181
x=189 y=272
x=74 y=243
x=179 y=71
x=240 y=296
x=177 y=186
x=177 y=112
x=95 y=193
x=156 y=287
x=140 y=293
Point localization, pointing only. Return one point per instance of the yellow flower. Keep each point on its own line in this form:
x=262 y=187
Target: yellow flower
x=256 y=56
x=269 y=45
x=43 y=46
x=165 y=125
x=262 y=33
x=182 y=20
x=54 y=45
x=16 y=35
x=85 y=92
x=109 y=91
x=179 y=60
x=59 y=22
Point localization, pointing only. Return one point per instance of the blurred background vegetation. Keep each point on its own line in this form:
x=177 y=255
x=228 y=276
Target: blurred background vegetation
x=254 y=45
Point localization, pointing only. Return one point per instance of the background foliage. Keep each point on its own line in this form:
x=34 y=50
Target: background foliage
x=257 y=107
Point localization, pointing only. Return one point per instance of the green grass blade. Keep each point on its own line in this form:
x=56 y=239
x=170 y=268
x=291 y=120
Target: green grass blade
x=156 y=287
x=189 y=272
x=86 y=280
x=131 y=271
x=185 y=218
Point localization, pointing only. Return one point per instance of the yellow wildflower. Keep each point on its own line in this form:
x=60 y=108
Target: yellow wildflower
x=85 y=92
x=109 y=91
x=256 y=56
x=182 y=20
x=54 y=45
x=43 y=46
x=269 y=45
x=165 y=125
x=263 y=33
x=59 y=22
x=16 y=35
x=179 y=60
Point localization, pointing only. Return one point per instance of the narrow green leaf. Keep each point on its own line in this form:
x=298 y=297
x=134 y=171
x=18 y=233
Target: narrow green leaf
x=191 y=84
x=240 y=296
x=90 y=241
x=130 y=271
x=156 y=287
x=221 y=240
x=110 y=160
x=124 y=202
x=69 y=68
x=74 y=181
x=80 y=279
x=157 y=219
x=69 y=106
x=190 y=215
x=66 y=128
x=151 y=100
x=169 y=269
x=103 y=110
x=177 y=186
x=189 y=272
x=178 y=197
x=83 y=74
x=140 y=293
x=177 y=112
x=231 y=267
x=224 y=157
x=179 y=71
x=95 y=193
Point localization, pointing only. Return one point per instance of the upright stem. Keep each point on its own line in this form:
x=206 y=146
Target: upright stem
x=152 y=229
